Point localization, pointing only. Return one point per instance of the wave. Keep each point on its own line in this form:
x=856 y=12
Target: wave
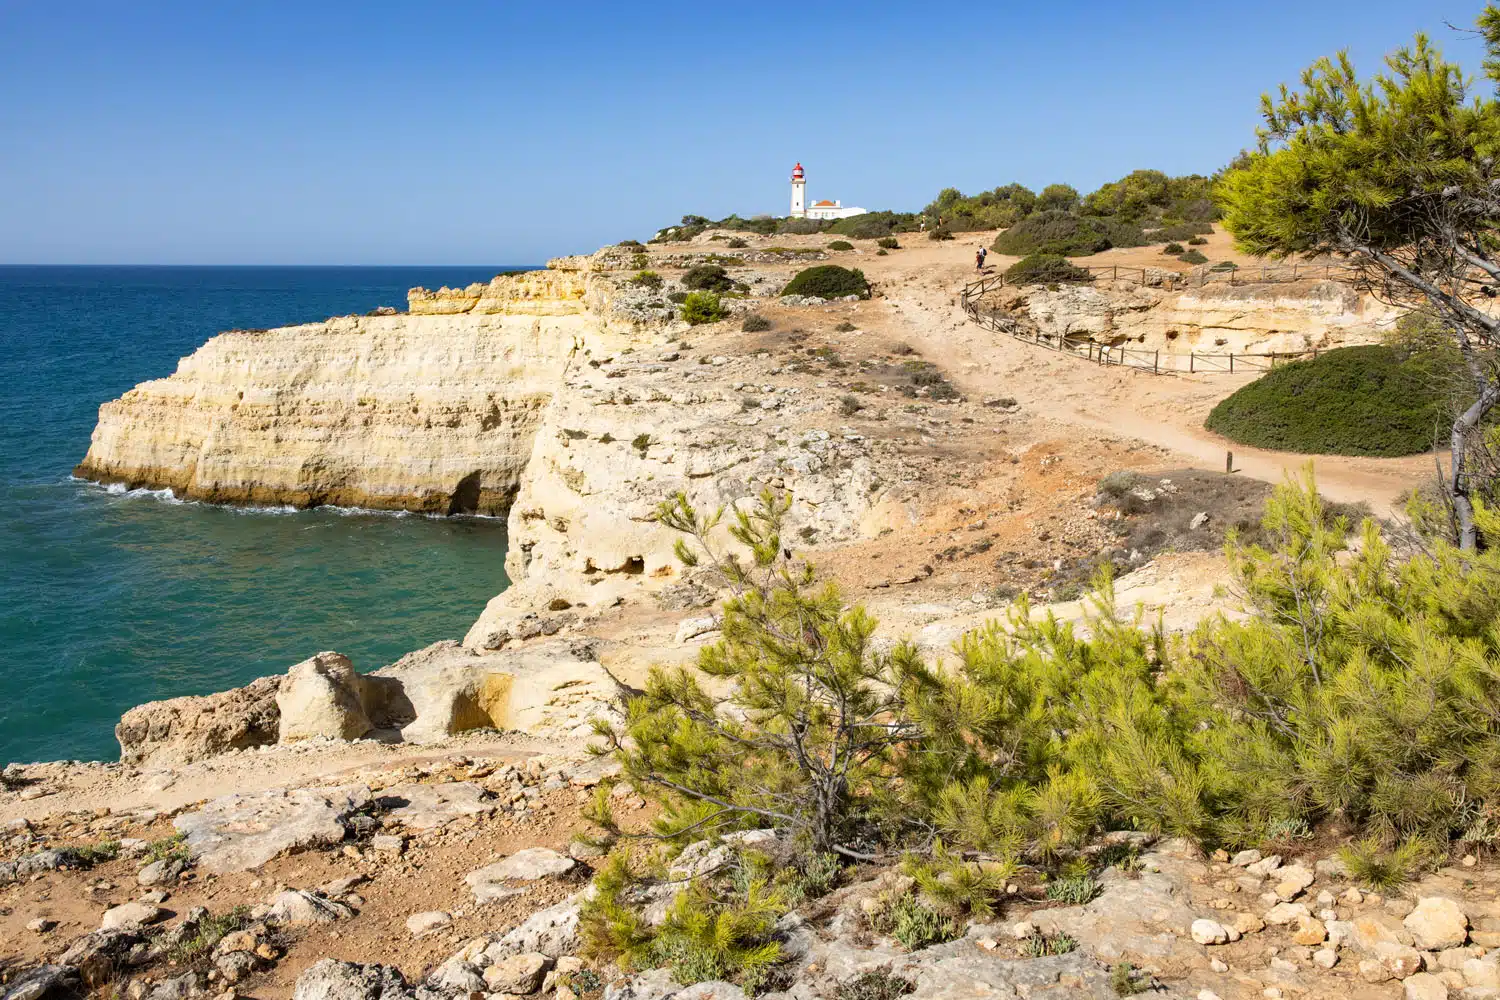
x=167 y=496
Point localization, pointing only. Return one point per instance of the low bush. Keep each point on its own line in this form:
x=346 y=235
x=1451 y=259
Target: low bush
x=1054 y=232
x=841 y=245
x=801 y=227
x=940 y=233
x=882 y=252
x=888 y=243
x=1197 y=241
x=1172 y=248
x=755 y=323
x=703 y=307
x=647 y=279
x=736 y=244
x=878 y=984
x=873 y=225
x=1044 y=268
x=1348 y=401
x=1193 y=257
x=828 y=281
x=707 y=278
x=1352 y=692
x=850 y=405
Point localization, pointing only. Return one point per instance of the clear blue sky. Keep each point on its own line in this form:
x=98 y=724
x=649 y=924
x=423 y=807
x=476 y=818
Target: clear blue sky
x=256 y=131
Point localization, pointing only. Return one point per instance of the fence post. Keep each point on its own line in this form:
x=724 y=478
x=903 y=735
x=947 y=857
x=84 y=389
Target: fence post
x=1231 y=362
x=1156 y=361
x=1191 y=356
x=1229 y=461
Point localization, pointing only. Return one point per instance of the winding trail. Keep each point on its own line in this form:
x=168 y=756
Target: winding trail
x=1073 y=397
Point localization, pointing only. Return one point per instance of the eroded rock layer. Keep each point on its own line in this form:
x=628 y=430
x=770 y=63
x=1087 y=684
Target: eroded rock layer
x=432 y=413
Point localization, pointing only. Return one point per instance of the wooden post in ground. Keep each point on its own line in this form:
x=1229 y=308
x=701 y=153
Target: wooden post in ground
x=1229 y=461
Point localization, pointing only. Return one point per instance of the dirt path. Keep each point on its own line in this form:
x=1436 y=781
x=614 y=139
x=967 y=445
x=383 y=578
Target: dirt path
x=1068 y=396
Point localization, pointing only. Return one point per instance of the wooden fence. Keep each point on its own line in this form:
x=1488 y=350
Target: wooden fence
x=1153 y=361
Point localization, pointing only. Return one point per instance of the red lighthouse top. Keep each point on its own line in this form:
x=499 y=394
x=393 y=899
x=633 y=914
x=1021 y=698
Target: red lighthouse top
x=797 y=172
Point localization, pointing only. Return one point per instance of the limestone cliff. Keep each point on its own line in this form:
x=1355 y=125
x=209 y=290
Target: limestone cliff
x=432 y=411
x=1219 y=317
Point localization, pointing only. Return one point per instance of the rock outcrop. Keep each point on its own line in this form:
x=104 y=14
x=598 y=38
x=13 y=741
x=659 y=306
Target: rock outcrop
x=181 y=730
x=1217 y=317
x=549 y=687
x=432 y=411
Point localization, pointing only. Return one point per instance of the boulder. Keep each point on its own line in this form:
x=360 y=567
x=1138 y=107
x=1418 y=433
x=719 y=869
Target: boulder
x=524 y=866
x=430 y=922
x=330 y=979
x=1244 y=858
x=1291 y=880
x=300 y=908
x=163 y=872
x=182 y=730
x=428 y=807
x=521 y=973
x=1209 y=932
x=130 y=916
x=1264 y=866
x=323 y=696
x=1437 y=923
x=552 y=932
x=239 y=832
x=42 y=982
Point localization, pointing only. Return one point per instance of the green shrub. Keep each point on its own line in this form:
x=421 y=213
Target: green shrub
x=1193 y=257
x=1347 y=401
x=940 y=233
x=873 y=225
x=850 y=405
x=209 y=931
x=703 y=307
x=801 y=227
x=736 y=244
x=1197 y=241
x=916 y=925
x=1041 y=945
x=90 y=855
x=841 y=245
x=882 y=252
x=1172 y=248
x=1045 y=268
x=1350 y=690
x=1055 y=233
x=1125 y=981
x=677 y=297
x=879 y=984
x=888 y=243
x=755 y=323
x=707 y=278
x=1375 y=867
x=647 y=279
x=628 y=243
x=828 y=281
x=174 y=846
x=721 y=926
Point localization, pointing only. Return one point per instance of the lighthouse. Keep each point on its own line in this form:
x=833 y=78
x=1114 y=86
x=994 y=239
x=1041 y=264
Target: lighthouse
x=825 y=210
x=799 y=193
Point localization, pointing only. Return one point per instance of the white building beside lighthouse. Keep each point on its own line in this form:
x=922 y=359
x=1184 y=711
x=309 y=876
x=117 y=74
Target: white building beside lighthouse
x=818 y=209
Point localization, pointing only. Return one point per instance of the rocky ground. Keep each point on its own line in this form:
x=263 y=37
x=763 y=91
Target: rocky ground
x=461 y=876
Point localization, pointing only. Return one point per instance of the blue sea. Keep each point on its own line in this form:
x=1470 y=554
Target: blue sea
x=109 y=599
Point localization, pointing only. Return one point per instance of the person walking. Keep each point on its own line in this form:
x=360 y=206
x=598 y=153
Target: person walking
x=979 y=259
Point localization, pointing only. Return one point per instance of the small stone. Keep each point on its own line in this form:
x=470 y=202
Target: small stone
x=155 y=897
x=1293 y=879
x=1310 y=931
x=1425 y=986
x=235 y=941
x=129 y=916
x=388 y=843
x=1325 y=958
x=1437 y=923
x=1469 y=861
x=1372 y=971
x=163 y=872
x=40 y=925
x=1244 y=858
x=1286 y=913
x=1352 y=896
x=1022 y=929
x=1484 y=972
x=1265 y=866
x=429 y=922
x=1209 y=932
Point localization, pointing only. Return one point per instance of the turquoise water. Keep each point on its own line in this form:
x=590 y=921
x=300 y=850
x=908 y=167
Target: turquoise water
x=110 y=599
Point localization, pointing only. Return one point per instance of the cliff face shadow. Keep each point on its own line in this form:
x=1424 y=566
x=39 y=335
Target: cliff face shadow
x=465 y=498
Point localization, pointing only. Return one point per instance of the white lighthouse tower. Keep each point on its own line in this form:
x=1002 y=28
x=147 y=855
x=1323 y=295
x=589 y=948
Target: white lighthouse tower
x=799 y=193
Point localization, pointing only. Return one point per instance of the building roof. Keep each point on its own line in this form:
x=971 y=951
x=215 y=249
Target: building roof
x=824 y=204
